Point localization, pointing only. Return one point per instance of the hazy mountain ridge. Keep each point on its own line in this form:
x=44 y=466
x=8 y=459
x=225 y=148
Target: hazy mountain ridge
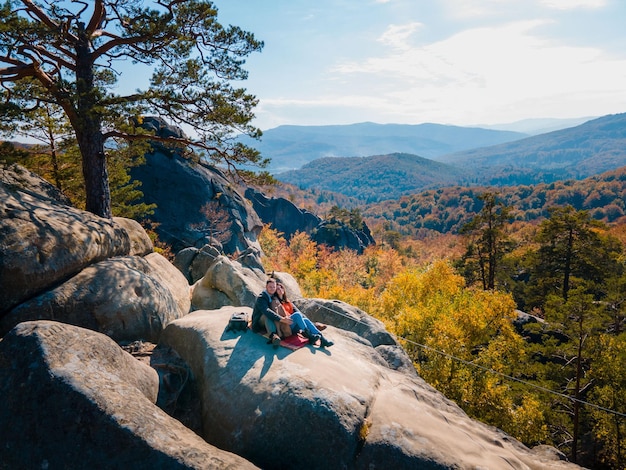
x=591 y=148
x=536 y=126
x=291 y=147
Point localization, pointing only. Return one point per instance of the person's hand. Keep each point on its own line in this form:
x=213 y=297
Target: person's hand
x=286 y=320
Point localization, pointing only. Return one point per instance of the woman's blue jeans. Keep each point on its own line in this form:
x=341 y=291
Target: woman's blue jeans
x=300 y=322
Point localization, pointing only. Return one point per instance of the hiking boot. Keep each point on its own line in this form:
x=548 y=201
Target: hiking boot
x=275 y=340
x=325 y=343
x=313 y=339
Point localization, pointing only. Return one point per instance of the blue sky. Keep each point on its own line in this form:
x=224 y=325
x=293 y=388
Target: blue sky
x=462 y=62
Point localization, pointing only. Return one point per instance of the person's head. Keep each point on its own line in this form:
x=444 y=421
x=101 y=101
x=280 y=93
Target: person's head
x=270 y=286
x=281 y=292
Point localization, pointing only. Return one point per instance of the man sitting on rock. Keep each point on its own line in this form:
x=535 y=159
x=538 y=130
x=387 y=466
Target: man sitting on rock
x=264 y=319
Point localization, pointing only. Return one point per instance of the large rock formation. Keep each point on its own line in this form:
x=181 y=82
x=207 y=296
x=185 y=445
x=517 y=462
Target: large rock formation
x=194 y=198
x=342 y=407
x=194 y=262
x=126 y=298
x=228 y=282
x=285 y=217
x=60 y=263
x=282 y=214
x=181 y=189
x=72 y=398
x=44 y=242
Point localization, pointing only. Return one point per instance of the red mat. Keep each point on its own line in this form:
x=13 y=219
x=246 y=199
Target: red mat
x=294 y=342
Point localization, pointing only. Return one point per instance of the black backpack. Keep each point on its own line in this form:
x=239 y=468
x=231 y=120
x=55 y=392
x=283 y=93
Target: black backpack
x=238 y=322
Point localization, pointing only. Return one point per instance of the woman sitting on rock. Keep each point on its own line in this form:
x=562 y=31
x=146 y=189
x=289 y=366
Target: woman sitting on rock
x=300 y=323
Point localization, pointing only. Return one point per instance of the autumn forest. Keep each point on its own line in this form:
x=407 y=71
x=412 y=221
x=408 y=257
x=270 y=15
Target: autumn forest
x=509 y=300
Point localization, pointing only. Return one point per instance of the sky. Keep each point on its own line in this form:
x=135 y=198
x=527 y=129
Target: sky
x=459 y=62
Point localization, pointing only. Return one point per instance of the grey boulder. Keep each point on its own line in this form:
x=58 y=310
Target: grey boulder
x=72 y=398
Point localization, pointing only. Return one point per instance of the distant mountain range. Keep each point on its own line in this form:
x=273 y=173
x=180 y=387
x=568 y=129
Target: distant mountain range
x=291 y=147
x=591 y=148
x=536 y=126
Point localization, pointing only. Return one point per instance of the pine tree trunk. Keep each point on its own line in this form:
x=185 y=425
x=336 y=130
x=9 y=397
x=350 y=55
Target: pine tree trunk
x=568 y=263
x=98 y=196
x=89 y=133
x=576 y=404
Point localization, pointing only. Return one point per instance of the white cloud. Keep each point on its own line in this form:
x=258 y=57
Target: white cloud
x=397 y=36
x=406 y=61
x=466 y=9
x=573 y=4
x=480 y=72
x=465 y=56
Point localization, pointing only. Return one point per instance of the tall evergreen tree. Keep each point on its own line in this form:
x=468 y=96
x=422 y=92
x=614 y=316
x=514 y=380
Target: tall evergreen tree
x=56 y=156
x=72 y=50
x=487 y=243
x=609 y=428
x=577 y=322
x=572 y=250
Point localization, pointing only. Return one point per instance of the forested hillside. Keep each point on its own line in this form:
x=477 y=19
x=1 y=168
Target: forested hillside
x=448 y=209
x=375 y=178
x=554 y=375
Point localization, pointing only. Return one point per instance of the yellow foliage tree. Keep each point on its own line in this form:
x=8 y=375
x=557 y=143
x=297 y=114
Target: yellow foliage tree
x=321 y=272
x=299 y=257
x=274 y=247
x=463 y=343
